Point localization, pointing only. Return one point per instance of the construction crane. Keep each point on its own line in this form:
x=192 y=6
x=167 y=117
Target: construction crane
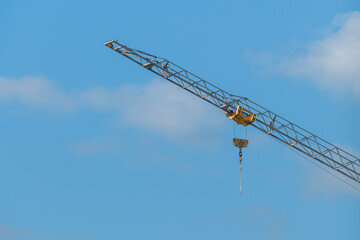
x=246 y=112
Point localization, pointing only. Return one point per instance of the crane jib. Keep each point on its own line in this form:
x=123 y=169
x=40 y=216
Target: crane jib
x=246 y=112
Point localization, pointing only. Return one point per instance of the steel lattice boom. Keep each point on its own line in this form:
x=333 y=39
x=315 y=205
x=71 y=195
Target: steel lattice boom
x=267 y=121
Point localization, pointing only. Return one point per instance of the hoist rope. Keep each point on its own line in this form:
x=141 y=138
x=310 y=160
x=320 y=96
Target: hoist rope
x=234 y=128
x=240 y=178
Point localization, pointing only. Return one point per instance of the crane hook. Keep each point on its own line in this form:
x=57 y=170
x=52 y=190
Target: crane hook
x=240 y=143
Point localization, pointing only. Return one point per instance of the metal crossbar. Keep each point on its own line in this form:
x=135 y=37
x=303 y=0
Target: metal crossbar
x=267 y=121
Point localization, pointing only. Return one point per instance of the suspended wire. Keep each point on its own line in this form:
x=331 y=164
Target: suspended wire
x=234 y=128
x=318 y=166
x=240 y=178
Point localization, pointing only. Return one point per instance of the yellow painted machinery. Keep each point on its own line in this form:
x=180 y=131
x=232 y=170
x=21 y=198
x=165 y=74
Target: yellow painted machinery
x=241 y=116
x=240 y=143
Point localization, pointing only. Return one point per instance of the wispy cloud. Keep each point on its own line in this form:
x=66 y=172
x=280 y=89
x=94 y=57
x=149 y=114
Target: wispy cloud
x=95 y=146
x=38 y=92
x=322 y=181
x=10 y=233
x=273 y=219
x=166 y=108
x=333 y=62
x=263 y=222
x=156 y=106
x=168 y=160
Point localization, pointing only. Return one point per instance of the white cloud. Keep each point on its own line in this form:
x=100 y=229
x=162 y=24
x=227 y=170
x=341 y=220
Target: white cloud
x=35 y=92
x=95 y=146
x=321 y=183
x=324 y=181
x=157 y=105
x=10 y=233
x=166 y=108
x=333 y=62
x=162 y=159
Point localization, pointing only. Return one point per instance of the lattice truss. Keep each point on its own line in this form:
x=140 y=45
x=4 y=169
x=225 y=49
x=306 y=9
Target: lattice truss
x=267 y=121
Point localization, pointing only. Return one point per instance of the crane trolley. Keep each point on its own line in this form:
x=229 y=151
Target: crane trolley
x=241 y=116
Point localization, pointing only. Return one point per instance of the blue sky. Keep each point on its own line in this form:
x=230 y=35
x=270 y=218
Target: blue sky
x=94 y=147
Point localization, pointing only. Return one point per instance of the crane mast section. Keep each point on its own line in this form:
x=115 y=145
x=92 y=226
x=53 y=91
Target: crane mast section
x=266 y=121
